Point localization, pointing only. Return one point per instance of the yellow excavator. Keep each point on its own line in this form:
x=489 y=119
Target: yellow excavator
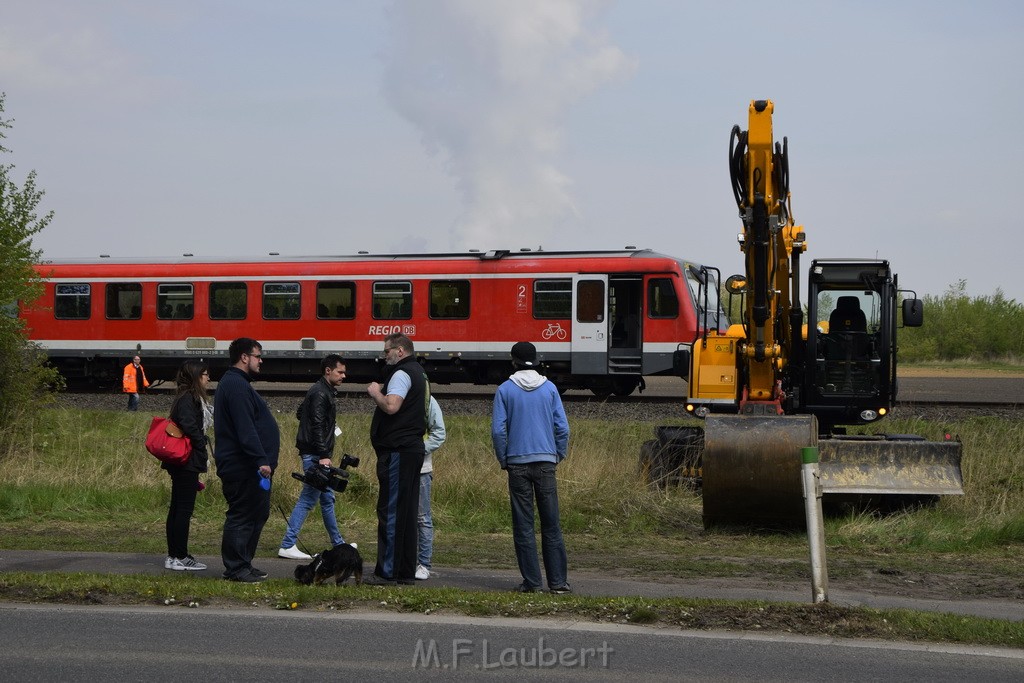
x=773 y=383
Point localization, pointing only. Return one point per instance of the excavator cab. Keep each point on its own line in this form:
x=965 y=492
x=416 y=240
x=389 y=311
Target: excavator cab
x=851 y=343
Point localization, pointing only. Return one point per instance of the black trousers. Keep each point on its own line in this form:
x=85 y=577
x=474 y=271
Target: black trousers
x=398 y=474
x=184 y=485
x=248 y=510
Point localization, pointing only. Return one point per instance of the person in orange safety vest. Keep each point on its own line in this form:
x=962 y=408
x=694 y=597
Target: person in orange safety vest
x=134 y=382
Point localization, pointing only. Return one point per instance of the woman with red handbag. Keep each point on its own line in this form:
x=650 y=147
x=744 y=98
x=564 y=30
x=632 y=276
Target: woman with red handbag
x=194 y=415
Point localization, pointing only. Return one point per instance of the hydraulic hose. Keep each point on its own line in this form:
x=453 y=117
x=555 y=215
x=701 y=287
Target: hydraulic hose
x=737 y=163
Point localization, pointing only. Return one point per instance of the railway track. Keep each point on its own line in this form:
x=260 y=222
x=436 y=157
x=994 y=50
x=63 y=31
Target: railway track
x=486 y=393
x=973 y=393
x=578 y=404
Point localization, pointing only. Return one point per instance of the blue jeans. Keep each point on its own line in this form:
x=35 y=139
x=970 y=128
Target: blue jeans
x=133 y=402
x=526 y=482
x=425 y=522
x=308 y=499
x=398 y=477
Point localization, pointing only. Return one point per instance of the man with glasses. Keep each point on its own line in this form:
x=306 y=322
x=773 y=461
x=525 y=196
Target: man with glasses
x=396 y=432
x=247 y=442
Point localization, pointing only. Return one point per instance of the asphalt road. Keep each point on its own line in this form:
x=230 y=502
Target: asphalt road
x=53 y=643
x=954 y=389
x=584 y=583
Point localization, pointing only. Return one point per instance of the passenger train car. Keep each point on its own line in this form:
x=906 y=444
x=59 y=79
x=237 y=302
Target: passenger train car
x=600 y=320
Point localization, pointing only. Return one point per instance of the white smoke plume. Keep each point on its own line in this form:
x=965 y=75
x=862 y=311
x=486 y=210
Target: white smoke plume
x=488 y=83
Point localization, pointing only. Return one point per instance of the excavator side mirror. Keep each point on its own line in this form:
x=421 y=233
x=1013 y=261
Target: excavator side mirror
x=913 y=313
x=681 y=363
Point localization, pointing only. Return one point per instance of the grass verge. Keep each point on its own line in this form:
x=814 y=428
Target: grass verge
x=84 y=482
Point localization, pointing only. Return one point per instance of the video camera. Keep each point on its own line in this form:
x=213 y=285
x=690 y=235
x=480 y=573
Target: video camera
x=323 y=477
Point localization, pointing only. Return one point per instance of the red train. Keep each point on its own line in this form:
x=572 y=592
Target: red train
x=601 y=320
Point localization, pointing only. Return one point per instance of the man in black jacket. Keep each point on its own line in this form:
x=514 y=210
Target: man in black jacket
x=246 y=446
x=315 y=440
x=396 y=432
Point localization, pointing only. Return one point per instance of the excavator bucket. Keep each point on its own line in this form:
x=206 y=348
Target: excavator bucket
x=751 y=469
x=890 y=466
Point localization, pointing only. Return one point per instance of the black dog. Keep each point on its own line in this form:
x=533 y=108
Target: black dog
x=340 y=562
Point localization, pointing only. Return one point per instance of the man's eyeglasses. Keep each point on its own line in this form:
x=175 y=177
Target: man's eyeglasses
x=255 y=355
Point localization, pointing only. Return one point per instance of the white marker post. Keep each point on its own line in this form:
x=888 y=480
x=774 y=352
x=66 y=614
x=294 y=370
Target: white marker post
x=811 y=479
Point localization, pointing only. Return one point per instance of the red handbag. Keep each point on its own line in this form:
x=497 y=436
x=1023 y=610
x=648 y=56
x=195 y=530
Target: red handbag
x=167 y=442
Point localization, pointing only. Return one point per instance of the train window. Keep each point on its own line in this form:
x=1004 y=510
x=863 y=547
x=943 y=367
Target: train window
x=228 y=300
x=72 y=301
x=449 y=299
x=392 y=300
x=174 y=301
x=336 y=300
x=662 y=300
x=124 y=301
x=590 y=301
x=281 y=301
x=552 y=298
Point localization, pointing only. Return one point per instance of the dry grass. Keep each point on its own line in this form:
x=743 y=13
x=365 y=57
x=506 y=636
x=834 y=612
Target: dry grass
x=87 y=469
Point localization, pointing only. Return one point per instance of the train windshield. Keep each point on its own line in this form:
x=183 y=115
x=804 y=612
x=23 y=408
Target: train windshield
x=706 y=294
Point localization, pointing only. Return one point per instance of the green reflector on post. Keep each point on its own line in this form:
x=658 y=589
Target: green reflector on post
x=809 y=454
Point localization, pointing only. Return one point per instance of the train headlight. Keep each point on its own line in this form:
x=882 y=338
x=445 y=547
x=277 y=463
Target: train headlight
x=869 y=415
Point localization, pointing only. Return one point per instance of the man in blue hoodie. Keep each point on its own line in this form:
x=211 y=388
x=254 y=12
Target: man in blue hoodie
x=531 y=436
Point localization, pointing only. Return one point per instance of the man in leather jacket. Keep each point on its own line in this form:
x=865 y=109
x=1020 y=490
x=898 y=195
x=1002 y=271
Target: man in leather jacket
x=315 y=440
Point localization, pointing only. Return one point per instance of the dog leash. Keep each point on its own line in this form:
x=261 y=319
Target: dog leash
x=302 y=546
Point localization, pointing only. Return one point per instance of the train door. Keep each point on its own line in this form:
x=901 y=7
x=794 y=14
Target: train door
x=589 y=324
x=625 y=332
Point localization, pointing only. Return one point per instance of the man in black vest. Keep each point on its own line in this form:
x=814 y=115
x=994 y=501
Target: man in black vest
x=396 y=432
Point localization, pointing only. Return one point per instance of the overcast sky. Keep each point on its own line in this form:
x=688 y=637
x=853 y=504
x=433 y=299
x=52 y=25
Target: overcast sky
x=238 y=128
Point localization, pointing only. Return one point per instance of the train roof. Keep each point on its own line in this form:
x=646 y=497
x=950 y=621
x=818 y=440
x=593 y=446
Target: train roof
x=274 y=257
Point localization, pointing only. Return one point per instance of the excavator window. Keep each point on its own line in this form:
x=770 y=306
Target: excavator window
x=847 y=354
x=847 y=317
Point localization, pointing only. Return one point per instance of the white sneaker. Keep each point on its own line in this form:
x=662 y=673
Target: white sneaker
x=422 y=573
x=169 y=562
x=174 y=564
x=293 y=553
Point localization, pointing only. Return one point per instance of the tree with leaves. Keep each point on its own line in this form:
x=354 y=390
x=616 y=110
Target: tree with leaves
x=24 y=376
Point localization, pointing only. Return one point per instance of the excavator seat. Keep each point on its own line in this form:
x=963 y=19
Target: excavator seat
x=847 y=317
